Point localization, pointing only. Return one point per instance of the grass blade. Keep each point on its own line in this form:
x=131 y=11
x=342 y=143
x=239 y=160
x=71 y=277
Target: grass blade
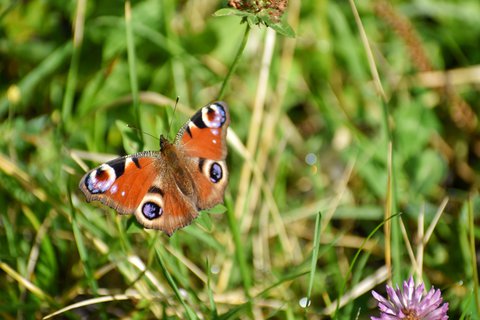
x=316 y=247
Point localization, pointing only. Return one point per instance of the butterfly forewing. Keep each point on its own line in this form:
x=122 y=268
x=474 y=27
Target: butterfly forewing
x=204 y=135
x=122 y=182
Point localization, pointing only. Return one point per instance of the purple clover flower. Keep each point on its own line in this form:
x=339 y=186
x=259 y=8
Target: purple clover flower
x=410 y=304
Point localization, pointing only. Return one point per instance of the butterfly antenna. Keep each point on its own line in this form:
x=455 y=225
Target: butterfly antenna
x=143 y=132
x=173 y=115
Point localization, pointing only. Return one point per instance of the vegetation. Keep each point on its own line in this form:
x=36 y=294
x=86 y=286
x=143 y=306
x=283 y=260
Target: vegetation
x=353 y=155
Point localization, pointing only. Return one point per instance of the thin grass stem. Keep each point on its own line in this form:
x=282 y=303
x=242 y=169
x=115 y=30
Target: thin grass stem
x=188 y=311
x=132 y=68
x=235 y=62
x=72 y=79
x=352 y=264
x=473 y=256
x=316 y=247
x=240 y=253
x=392 y=197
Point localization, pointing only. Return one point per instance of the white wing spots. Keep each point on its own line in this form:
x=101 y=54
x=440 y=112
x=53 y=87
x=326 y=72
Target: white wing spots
x=114 y=189
x=123 y=193
x=214 y=141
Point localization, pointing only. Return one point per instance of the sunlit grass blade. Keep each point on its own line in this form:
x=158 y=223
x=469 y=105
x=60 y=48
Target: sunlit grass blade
x=379 y=276
x=240 y=253
x=235 y=313
x=316 y=247
x=211 y=299
x=352 y=264
x=473 y=256
x=189 y=313
x=394 y=235
x=25 y=283
x=82 y=249
x=93 y=301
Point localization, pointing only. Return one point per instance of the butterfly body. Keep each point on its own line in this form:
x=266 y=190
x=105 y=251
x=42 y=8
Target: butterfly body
x=165 y=189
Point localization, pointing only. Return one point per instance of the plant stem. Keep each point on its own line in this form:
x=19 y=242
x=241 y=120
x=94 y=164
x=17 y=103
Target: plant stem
x=67 y=104
x=471 y=224
x=235 y=62
x=132 y=68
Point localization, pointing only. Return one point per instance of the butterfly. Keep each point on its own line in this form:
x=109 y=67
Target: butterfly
x=165 y=189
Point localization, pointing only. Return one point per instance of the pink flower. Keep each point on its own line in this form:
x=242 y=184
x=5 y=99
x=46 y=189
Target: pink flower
x=410 y=304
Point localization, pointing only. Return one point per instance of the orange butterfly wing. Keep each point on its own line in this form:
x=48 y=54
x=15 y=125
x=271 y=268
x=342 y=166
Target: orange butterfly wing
x=164 y=189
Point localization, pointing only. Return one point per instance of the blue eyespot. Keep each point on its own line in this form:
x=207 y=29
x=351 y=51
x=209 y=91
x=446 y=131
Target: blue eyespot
x=151 y=210
x=216 y=172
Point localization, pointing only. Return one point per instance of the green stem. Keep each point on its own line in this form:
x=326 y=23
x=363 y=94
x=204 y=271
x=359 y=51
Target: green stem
x=395 y=223
x=67 y=104
x=313 y=263
x=84 y=253
x=354 y=260
x=240 y=255
x=235 y=62
x=189 y=313
x=471 y=224
x=132 y=68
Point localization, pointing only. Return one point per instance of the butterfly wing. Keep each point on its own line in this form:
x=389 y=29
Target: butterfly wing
x=120 y=183
x=164 y=189
x=204 y=135
x=140 y=184
x=203 y=141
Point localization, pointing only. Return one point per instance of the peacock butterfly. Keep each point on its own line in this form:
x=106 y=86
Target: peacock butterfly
x=165 y=189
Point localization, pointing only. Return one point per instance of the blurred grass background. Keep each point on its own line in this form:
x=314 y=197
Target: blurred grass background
x=313 y=131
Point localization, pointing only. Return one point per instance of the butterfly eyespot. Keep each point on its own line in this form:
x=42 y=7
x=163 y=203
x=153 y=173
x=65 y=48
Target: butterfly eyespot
x=213 y=116
x=152 y=210
x=100 y=180
x=216 y=172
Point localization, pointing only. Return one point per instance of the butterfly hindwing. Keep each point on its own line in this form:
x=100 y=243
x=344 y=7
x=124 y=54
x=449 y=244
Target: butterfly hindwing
x=165 y=208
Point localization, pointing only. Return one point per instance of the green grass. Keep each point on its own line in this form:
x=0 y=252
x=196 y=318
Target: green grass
x=371 y=120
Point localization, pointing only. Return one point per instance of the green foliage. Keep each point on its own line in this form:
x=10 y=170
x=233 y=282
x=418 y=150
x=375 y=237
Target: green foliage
x=254 y=19
x=309 y=133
